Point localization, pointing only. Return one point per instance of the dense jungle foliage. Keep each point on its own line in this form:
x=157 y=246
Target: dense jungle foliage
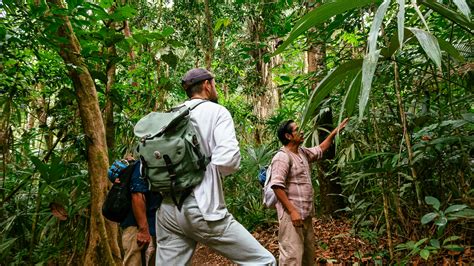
x=76 y=75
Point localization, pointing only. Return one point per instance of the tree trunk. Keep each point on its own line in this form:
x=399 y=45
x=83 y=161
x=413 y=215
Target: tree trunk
x=265 y=97
x=98 y=250
x=5 y=137
x=210 y=48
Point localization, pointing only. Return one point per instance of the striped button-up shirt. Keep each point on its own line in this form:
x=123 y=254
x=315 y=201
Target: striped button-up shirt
x=295 y=181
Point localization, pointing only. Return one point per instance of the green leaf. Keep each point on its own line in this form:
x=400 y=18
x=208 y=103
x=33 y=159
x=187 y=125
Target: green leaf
x=425 y=254
x=421 y=241
x=455 y=208
x=428 y=217
x=450 y=49
x=123 y=13
x=466 y=213
x=350 y=99
x=320 y=15
x=368 y=70
x=6 y=244
x=106 y=3
x=454 y=247
x=449 y=14
x=451 y=239
x=167 y=31
x=435 y=243
x=433 y=202
x=441 y=221
x=463 y=7
x=330 y=82
x=429 y=43
x=401 y=21
x=375 y=28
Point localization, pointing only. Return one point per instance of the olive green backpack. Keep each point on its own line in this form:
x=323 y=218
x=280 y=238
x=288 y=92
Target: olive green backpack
x=170 y=153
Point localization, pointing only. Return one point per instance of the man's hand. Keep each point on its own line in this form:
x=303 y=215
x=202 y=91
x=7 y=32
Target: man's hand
x=296 y=219
x=343 y=124
x=143 y=237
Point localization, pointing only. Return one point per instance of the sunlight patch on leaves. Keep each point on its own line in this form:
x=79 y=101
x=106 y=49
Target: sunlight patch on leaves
x=401 y=21
x=430 y=44
x=368 y=70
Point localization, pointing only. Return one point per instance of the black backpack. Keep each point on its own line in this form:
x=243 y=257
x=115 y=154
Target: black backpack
x=118 y=202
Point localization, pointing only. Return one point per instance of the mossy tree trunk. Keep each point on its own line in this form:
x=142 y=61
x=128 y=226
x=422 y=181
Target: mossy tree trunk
x=98 y=250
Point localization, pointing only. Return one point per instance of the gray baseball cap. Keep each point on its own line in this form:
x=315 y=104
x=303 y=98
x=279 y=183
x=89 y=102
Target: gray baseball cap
x=194 y=76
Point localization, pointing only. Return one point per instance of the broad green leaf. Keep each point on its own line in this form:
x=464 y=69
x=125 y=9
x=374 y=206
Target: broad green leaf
x=320 y=15
x=375 y=28
x=395 y=43
x=450 y=49
x=463 y=7
x=449 y=14
x=123 y=13
x=455 y=208
x=454 y=247
x=350 y=99
x=106 y=3
x=330 y=82
x=468 y=117
x=425 y=253
x=433 y=202
x=451 y=239
x=401 y=21
x=421 y=241
x=429 y=43
x=435 y=243
x=428 y=217
x=167 y=31
x=466 y=213
x=368 y=70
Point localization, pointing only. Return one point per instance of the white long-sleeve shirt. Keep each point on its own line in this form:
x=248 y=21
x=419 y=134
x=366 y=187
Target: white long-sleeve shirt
x=216 y=129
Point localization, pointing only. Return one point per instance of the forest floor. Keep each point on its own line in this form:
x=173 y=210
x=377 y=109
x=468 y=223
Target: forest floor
x=334 y=245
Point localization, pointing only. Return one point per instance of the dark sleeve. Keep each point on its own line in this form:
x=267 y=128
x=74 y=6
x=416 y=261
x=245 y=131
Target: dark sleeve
x=138 y=184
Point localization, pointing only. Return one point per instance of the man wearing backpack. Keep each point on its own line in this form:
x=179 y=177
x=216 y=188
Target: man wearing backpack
x=291 y=182
x=203 y=217
x=138 y=228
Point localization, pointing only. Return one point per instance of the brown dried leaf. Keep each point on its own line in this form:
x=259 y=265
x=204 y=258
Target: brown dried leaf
x=58 y=211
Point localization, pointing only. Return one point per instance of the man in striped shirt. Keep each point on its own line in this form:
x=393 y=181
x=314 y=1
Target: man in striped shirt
x=291 y=181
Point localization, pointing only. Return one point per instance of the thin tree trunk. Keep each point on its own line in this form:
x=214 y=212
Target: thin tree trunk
x=128 y=34
x=5 y=133
x=405 y=132
x=210 y=48
x=385 y=187
x=111 y=227
x=98 y=250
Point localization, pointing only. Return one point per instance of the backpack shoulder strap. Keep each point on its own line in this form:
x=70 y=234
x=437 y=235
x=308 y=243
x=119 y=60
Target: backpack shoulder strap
x=194 y=105
x=289 y=157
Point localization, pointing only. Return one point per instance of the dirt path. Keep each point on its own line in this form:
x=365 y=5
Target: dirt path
x=333 y=244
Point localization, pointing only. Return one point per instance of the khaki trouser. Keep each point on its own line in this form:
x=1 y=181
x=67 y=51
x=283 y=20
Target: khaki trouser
x=296 y=244
x=178 y=232
x=133 y=253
